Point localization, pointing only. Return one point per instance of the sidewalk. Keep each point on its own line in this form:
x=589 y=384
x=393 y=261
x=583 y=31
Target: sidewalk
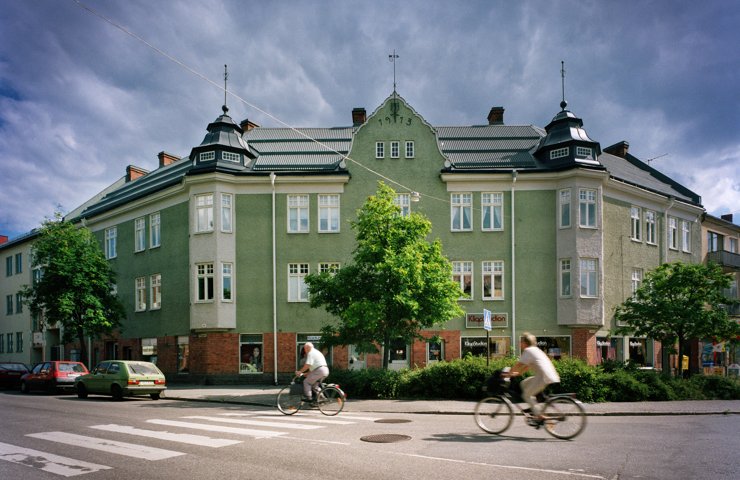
x=261 y=395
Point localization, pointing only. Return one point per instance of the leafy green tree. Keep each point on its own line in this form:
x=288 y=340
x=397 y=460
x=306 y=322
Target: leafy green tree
x=76 y=287
x=399 y=283
x=677 y=302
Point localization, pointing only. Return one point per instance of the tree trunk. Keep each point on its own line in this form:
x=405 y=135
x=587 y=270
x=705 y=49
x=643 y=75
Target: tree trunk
x=386 y=352
x=83 y=348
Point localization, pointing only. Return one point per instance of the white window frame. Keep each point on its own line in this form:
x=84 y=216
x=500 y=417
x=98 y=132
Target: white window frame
x=635 y=280
x=298 y=213
x=461 y=205
x=492 y=272
x=329 y=267
x=462 y=271
x=403 y=201
x=564 y=208
x=329 y=205
x=584 y=152
x=686 y=236
x=204 y=213
x=650 y=226
x=231 y=157
x=492 y=210
x=206 y=156
x=155 y=291
x=410 y=149
x=559 y=153
x=205 y=282
x=566 y=278
x=139 y=234
x=636 y=223
x=395 y=149
x=111 y=240
x=227 y=209
x=379 y=149
x=587 y=208
x=589 y=277
x=732 y=247
x=227 y=282
x=297 y=287
x=155 y=230
x=673 y=233
x=140 y=294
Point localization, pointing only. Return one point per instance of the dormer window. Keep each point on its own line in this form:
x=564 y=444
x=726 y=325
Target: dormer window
x=559 y=153
x=584 y=152
x=206 y=156
x=230 y=157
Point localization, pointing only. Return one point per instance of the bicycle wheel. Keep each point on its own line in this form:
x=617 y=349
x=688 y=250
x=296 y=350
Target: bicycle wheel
x=288 y=403
x=564 y=417
x=494 y=414
x=331 y=401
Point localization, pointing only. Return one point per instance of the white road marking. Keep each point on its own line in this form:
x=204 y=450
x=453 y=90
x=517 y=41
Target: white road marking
x=110 y=446
x=48 y=462
x=330 y=421
x=200 y=440
x=218 y=428
x=256 y=423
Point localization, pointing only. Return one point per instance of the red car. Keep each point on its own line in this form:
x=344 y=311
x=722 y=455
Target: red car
x=52 y=376
x=10 y=374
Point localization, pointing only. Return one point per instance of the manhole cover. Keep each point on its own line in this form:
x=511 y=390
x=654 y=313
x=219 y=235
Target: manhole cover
x=392 y=420
x=385 y=438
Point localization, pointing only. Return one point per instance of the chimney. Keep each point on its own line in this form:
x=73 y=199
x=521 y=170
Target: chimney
x=359 y=115
x=248 y=125
x=726 y=216
x=166 y=159
x=620 y=149
x=3 y=239
x=496 y=116
x=133 y=172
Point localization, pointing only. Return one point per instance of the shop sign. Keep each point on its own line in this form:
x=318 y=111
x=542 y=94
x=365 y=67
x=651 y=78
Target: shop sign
x=477 y=320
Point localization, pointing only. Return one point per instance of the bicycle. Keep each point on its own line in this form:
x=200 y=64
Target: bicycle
x=329 y=398
x=563 y=415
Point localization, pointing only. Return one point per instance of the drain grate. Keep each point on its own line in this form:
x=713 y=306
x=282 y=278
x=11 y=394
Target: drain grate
x=385 y=438
x=392 y=420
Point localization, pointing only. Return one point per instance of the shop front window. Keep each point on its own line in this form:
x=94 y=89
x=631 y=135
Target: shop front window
x=250 y=354
x=639 y=352
x=555 y=347
x=315 y=339
x=183 y=354
x=435 y=352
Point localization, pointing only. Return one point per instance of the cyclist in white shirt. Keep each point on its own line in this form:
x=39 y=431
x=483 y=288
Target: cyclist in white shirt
x=539 y=363
x=316 y=367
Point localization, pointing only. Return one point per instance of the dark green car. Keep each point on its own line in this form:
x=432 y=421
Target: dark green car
x=122 y=378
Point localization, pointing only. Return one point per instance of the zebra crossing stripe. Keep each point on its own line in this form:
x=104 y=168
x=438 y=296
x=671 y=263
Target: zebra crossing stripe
x=200 y=440
x=110 y=446
x=284 y=418
x=256 y=423
x=48 y=462
x=218 y=428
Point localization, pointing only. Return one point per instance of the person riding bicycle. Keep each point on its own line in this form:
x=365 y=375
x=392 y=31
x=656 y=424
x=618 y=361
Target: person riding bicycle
x=317 y=370
x=539 y=363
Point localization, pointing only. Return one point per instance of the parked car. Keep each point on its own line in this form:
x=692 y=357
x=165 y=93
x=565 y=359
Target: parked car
x=11 y=373
x=122 y=378
x=52 y=376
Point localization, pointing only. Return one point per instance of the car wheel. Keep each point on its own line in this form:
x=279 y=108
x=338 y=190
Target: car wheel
x=52 y=387
x=24 y=388
x=155 y=396
x=81 y=391
x=116 y=391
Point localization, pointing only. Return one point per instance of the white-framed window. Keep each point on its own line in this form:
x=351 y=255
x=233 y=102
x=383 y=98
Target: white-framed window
x=395 y=149
x=650 y=226
x=587 y=207
x=673 y=233
x=636 y=279
x=111 y=239
x=732 y=245
x=564 y=208
x=686 y=236
x=297 y=288
x=379 y=150
x=462 y=274
x=461 y=215
x=18 y=342
x=584 y=152
x=329 y=267
x=155 y=291
x=713 y=241
x=493 y=280
x=403 y=201
x=559 y=153
x=298 y=213
x=226 y=211
x=565 y=277
x=636 y=223
x=589 y=277
x=329 y=213
x=2 y=342
x=227 y=284
x=204 y=213
x=204 y=282
x=140 y=294
x=250 y=353
x=230 y=157
x=9 y=304
x=139 y=234
x=155 y=230
x=492 y=211
x=206 y=156
x=410 y=150
x=18 y=303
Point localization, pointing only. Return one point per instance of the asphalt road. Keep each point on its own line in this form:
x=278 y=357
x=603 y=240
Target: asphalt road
x=58 y=436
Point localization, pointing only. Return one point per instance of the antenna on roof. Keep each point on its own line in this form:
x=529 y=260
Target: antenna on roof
x=392 y=58
x=226 y=77
x=563 y=103
x=655 y=158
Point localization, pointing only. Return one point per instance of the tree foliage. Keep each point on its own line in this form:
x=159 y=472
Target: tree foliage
x=677 y=302
x=76 y=287
x=398 y=284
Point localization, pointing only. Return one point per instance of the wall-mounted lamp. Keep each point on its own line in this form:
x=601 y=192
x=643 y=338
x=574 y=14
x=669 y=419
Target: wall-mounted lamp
x=415 y=197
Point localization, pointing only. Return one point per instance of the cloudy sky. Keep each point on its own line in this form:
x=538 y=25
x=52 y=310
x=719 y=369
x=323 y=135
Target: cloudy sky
x=82 y=97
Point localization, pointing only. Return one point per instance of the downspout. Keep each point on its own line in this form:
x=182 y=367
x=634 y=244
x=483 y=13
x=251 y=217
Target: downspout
x=274 y=286
x=672 y=201
x=514 y=343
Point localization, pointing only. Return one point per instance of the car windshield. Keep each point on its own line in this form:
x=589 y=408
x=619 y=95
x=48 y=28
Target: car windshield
x=17 y=367
x=71 y=367
x=143 y=368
